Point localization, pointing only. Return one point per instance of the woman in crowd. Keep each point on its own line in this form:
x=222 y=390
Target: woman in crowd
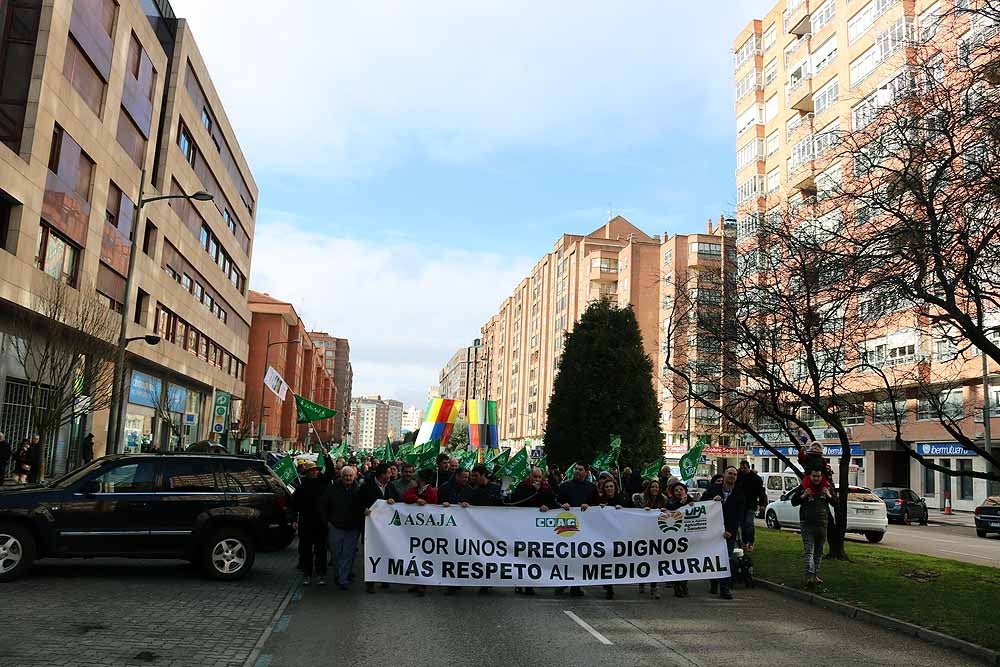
x=679 y=498
x=23 y=460
x=609 y=495
x=652 y=499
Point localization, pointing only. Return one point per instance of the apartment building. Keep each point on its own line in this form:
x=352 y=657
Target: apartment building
x=105 y=99
x=336 y=354
x=699 y=264
x=523 y=340
x=280 y=339
x=371 y=422
x=413 y=417
x=464 y=376
x=804 y=72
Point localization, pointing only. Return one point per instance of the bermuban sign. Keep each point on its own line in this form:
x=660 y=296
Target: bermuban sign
x=496 y=546
x=943 y=449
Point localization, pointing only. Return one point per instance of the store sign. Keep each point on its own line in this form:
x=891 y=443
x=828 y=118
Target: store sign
x=830 y=450
x=144 y=390
x=943 y=449
x=220 y=411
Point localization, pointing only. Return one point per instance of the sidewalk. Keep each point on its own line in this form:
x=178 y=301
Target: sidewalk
x=957 y=519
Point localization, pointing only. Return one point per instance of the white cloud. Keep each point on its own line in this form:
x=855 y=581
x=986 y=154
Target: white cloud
x=405 y=307
x=337 y=89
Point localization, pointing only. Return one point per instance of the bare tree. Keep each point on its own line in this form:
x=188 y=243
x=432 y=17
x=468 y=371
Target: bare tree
x=65 y=345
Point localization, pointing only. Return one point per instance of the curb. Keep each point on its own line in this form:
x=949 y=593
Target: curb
x=251 y=660
x=990 y=656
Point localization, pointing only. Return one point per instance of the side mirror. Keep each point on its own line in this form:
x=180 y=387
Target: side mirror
x=90 y=487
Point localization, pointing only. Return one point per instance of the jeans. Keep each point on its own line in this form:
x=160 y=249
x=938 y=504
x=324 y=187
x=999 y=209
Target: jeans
x=813 y=539
x=726 y=584
x=343 y=547
x=312 y=549
x=747 y=534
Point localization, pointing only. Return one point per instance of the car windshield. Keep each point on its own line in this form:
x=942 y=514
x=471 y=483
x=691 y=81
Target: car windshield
x=74 y=476
x=887 y=494
x=992 y=501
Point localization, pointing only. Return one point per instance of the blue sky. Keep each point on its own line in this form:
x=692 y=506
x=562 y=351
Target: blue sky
x=415 y=159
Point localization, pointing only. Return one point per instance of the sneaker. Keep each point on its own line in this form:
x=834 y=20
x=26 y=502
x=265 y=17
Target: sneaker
x=321 y=582
x=306 y=581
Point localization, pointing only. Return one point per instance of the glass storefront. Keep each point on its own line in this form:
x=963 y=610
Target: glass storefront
x=161 y=415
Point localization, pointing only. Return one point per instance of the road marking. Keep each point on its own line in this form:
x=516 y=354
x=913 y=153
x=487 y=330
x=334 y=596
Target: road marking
x=263 y=661
x=282 y=623
x=586 y=626
x=255 y=654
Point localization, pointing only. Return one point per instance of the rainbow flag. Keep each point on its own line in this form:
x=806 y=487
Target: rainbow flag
x=483 y=433
x=438 y=421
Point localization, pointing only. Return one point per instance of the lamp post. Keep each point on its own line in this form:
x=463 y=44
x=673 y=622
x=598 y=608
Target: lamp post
x=117 y=389
x=260 y=421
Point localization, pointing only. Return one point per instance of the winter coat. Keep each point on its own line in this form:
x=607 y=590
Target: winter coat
x=657 y=502
x=428 y=495
x=526 y=495
x=312 y=501
x=674 y=504
x=813 y=510
x=575 y=494
x=753 y=489
x=370 y=492
x=485 y=496
x=733 y=507
x=347 y=507
x=454 y=494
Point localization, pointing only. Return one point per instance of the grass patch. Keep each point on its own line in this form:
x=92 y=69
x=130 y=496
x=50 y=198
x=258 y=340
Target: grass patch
x=958 y=599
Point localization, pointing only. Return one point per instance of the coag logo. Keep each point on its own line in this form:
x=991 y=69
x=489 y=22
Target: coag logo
x=565 y=524
x=422 y=519
x=670 y=522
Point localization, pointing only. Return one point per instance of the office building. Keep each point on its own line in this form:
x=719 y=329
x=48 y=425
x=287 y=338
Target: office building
x=336 y=354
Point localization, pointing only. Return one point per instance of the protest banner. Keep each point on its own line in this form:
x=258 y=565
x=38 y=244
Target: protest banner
x=493 y=546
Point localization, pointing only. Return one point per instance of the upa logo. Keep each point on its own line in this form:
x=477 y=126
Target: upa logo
x=422 y=519
x=670 y=522
x=565 y=524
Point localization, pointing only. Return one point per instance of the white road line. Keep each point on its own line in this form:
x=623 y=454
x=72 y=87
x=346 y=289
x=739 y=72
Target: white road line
x=962 y=553
x=586 y=626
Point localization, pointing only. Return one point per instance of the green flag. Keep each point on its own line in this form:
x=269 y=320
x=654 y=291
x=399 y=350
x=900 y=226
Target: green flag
x=341 y=451
x=517 y=466
x=606 y=461
x=285 y=470
x=543 y=463
x=425 y=456
x=467 y=459
x=689 y=462
x=498 y=459
x=652 y=471
x=569 y=471
x=321 y=461
x=307 y=411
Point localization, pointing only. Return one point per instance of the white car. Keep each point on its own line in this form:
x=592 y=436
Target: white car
x=865 y=513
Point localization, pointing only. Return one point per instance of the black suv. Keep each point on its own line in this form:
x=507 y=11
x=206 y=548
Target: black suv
x=211 y=509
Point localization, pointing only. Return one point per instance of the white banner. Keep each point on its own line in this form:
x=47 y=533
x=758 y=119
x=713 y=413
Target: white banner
x=275 y=383
x=497 y=546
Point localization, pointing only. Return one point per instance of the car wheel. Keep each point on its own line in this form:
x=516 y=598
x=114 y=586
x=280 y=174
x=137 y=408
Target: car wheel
x=17 y=551
x=980 y=533
x=771 y=520
x=228 y=554
x=874 y=537
x=906 y=518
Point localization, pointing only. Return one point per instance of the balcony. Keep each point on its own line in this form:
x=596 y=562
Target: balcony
x=798 y=92
x=799 y=52
x=905 y=360
x=796 y=17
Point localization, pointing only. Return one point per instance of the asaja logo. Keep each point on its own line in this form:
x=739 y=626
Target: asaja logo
x=670 y=522
x=564 y=524
x=422 y=519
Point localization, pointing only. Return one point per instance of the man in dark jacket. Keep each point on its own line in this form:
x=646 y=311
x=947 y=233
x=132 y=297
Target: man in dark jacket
x=347 y=516
x=576 y=492
x=456 y=491
x=443 y=469
x=733 y=510
x=483 y=492
x=814 y=510
x=533 y=492
x=312 y=504
x=87 y=449
x=379 y=487
x=6 y=453
x=754 y=496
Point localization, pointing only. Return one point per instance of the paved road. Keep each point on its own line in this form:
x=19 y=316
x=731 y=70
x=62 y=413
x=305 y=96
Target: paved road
x=954 y=542
x=323 y=626
x=117 y=612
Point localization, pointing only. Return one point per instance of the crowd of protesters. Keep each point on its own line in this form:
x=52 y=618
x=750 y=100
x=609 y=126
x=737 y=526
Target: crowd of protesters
x=332 y=501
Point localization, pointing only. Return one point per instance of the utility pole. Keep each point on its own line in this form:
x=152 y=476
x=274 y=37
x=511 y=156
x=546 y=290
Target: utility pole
x=991 y=486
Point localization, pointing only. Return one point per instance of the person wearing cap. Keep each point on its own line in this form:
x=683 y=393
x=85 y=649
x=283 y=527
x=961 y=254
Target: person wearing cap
x=313 y=503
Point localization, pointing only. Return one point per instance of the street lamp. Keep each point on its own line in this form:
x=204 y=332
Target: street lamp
x=260 y=421
x=117 y=388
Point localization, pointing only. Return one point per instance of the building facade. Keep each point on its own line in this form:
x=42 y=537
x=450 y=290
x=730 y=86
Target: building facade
x=464 y=376
x=279 y=339
x=336 y=353
x=104 y=99
x=413 y=417
x=369 y=422
x=806 y=71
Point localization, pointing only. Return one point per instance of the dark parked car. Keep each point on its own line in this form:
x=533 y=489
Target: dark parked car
x=988 y=516
x=903 y=505
x=211 y=509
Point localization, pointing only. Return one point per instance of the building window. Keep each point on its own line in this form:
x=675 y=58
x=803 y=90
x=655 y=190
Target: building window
x=149 y=239
x=204 y=237
x=186 y=282
x=199 y=292
x=85 y=78
x=186 y=145
x=965 y=486
x=57 y=256
x=131 y=138
x=930 y=477
x=134 y=56
x=206 y=119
